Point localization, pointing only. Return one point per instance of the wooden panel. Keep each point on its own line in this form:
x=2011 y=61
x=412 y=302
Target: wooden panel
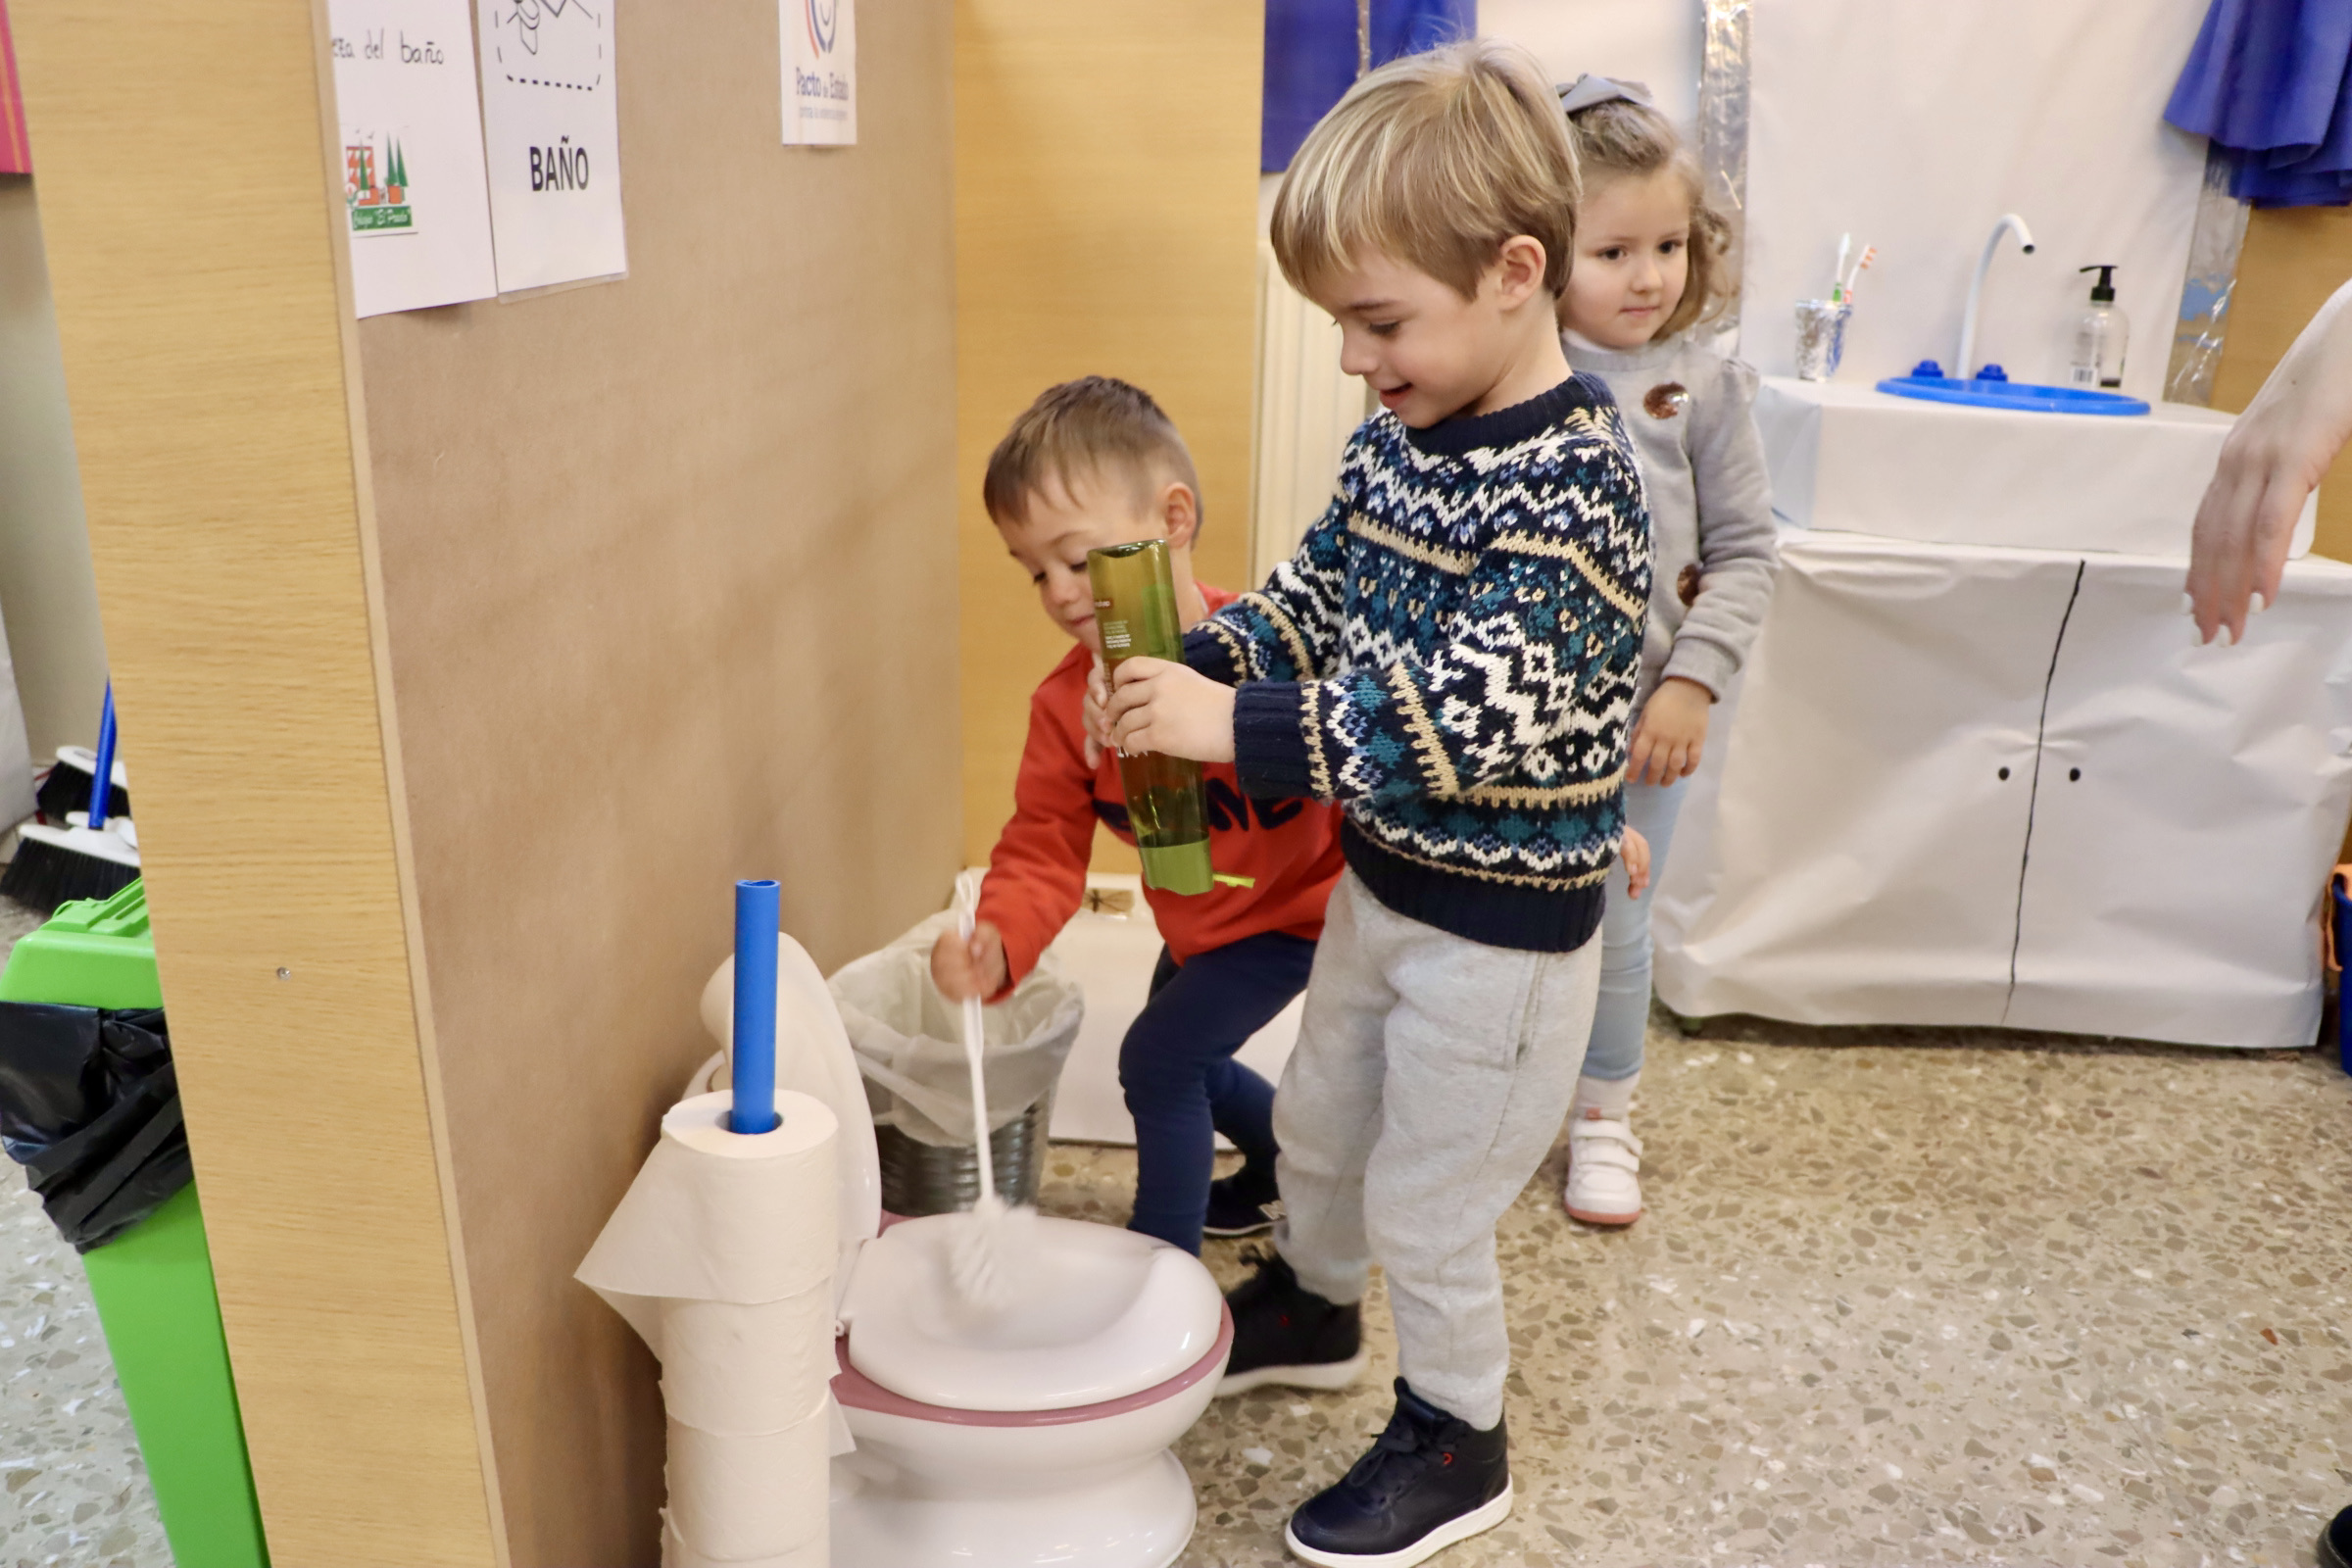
x=1106 y=212
x=203 y=352
x=670 y=586
x=2294 y=258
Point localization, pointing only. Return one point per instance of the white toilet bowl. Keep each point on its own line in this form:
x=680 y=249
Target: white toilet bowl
x=1038 y=1432
x=1034 y=1432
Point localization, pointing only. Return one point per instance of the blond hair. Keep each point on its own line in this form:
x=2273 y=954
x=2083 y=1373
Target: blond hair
x=1434 y=160
x=1092 y=427
x=1620 y=138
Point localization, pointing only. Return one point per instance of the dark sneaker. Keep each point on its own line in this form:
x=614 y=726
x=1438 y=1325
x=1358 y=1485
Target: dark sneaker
x=1429 y=1481
x=1285 y=1333
x=1241 y=1204
x=2335 y=1543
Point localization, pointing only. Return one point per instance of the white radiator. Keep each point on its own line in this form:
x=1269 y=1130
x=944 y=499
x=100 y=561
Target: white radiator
x=1307 y=409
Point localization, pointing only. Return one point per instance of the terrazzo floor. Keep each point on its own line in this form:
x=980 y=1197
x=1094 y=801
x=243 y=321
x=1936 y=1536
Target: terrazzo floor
x=72 y=1491
x=1900 y=1296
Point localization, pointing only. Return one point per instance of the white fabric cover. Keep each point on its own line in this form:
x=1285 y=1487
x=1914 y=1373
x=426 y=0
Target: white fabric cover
x=1859 y=459
x=1852 y=855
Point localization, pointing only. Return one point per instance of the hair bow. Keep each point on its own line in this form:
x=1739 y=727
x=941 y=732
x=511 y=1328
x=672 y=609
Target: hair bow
x=1588 y=91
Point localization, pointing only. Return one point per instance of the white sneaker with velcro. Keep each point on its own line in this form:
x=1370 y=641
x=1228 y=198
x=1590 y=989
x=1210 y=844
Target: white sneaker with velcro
x=1605 y=1171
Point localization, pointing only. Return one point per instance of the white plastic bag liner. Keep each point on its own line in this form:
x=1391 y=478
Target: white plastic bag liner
x=908 y=1039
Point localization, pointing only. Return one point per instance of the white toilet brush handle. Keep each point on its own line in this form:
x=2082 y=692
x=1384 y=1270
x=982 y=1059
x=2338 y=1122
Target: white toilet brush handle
x=975 y=1038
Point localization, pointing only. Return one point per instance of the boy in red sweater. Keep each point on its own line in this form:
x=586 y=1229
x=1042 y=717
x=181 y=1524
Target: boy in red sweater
x=1094 y=462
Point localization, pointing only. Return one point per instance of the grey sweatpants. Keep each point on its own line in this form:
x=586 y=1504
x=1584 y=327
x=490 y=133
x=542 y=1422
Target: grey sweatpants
x=1429 y=1081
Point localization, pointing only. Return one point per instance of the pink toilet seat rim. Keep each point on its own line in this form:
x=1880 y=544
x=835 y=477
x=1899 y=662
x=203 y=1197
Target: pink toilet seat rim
x=854 y=1389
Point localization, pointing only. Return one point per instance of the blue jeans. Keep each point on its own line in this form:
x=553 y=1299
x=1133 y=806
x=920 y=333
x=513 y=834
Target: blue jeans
x=1183 y=1086
x=1621 y=1017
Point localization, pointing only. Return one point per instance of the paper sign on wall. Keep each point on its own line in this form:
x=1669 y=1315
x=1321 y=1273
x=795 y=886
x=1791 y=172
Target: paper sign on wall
x=820 y=71
x=416 y=207
x=551 y=130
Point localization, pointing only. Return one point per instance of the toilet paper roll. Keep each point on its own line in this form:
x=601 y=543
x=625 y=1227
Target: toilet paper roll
x=727 y=1367
x=733 y=1497
x=721 y=1216
x=675 y=1554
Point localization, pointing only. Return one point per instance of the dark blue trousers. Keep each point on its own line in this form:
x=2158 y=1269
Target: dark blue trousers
x=1183 y=1085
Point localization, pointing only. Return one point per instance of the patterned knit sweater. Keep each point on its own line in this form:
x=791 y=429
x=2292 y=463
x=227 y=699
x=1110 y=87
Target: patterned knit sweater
x=1453 y=655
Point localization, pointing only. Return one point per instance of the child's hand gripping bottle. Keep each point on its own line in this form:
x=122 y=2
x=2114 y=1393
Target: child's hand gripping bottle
x=1135 y=607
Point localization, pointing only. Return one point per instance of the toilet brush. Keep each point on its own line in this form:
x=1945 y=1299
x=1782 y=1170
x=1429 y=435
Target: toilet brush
x=976 y=1261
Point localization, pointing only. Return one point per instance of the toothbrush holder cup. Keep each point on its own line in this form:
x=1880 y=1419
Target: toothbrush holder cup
x=1820 y=337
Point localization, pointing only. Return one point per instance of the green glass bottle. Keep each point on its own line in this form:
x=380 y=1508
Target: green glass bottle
x=1134 y=608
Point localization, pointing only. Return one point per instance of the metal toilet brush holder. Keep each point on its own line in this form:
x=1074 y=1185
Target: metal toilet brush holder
x=920 y=1178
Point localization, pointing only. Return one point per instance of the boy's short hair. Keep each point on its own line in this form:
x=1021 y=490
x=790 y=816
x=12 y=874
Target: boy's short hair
x=1434 y=160
x=1094 y=426
x=1618 y=138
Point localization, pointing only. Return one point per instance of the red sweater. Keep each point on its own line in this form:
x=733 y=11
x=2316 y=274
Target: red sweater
x=1036 y=872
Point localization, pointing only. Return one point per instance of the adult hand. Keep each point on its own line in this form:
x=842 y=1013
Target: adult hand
x=1156 y=705
x=2272 y=460
x=1670 y=734
x=963 y=968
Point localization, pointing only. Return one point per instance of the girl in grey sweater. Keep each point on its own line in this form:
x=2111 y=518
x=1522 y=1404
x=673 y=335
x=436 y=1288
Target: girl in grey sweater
x=1650 y=269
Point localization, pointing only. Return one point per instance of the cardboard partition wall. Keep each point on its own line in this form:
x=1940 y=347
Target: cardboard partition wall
x=467 y=656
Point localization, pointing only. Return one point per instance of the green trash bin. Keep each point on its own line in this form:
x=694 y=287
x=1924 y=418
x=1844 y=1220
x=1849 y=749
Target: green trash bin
x=154 y=1283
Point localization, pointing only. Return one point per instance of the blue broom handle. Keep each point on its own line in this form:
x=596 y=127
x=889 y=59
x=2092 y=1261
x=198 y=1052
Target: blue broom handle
x=103 y=783
x=755 y=1032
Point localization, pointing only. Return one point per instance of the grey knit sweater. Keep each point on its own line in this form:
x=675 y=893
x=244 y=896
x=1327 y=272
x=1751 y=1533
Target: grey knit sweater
x=1700 y=456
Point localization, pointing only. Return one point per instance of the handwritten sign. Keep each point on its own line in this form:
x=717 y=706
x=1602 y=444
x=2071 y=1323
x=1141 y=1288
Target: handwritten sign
x=414 y=201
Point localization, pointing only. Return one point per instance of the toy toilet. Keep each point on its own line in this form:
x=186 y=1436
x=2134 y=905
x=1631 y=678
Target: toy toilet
x=1037 y=1433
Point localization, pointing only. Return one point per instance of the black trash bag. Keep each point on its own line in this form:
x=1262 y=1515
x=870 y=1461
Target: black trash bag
x=89 y=1106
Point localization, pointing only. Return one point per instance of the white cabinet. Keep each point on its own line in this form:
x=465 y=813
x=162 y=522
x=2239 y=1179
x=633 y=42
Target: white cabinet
x=1859 y=461
x=1989 y=786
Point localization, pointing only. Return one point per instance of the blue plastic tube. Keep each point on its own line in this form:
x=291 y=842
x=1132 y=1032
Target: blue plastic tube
x=755 y=1053
x=103 y=783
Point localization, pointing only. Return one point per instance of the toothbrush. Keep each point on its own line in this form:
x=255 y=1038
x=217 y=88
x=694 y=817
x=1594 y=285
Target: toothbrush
x=1853 y=275
x=1838 y=283
x=973 y=1261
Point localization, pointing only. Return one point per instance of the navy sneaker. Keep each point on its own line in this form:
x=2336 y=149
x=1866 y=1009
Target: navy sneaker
x=1285 y=1333
x=2335 y=1543
x=1243 y=1204
x=1429 y=1481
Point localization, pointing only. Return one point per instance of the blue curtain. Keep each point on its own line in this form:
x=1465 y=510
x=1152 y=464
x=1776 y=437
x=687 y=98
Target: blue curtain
x=1311 y=53
x=2270 y=81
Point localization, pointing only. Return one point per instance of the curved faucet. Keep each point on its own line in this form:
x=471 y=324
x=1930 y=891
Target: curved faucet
x=1976 y=289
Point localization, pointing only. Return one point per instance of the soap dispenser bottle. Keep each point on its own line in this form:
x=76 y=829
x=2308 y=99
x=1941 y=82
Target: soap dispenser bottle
x=2099 y=334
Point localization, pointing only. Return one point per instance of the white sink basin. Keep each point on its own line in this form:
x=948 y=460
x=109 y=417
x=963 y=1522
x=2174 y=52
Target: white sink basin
x=1853 y=460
